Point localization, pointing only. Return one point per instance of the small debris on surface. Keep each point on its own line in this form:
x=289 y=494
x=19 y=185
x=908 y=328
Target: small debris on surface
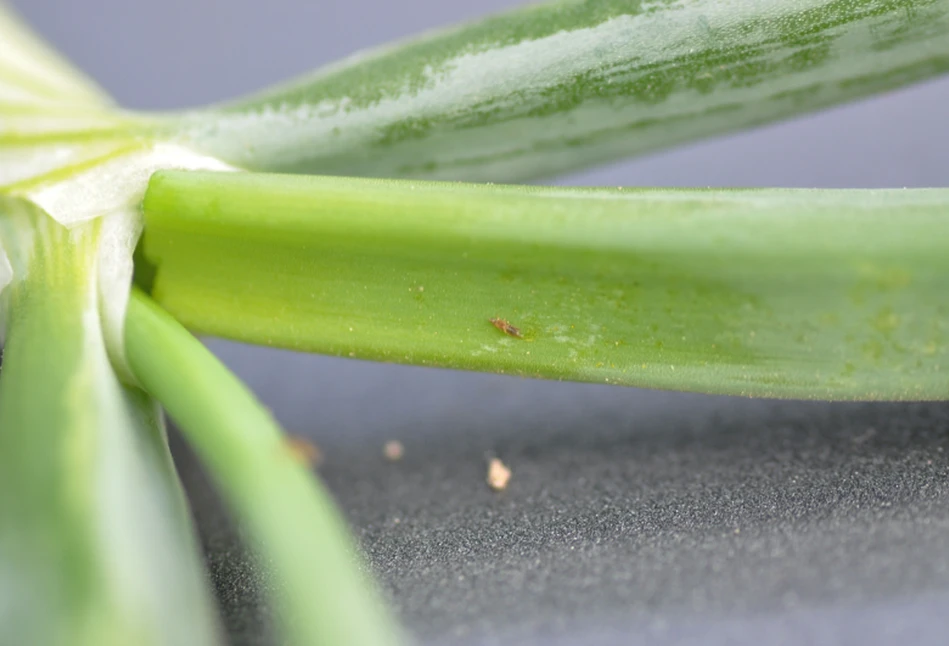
x=498 y=475
x=506 y=327
x=393 y=450
x=866 y=435
x=305 y=452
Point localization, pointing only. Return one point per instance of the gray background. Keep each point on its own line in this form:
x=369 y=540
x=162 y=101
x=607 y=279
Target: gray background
x=632 y=516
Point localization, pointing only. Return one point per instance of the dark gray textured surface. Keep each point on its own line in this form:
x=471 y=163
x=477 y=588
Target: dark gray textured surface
x=627 y=516
x=619 y=524
x=643 y=518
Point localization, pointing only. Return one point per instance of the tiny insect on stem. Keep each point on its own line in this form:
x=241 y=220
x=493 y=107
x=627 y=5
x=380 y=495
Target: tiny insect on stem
x=506 y=327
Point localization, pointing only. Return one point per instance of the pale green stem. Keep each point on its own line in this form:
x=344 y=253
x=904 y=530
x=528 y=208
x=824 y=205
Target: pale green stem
x=324 y=597
x=96 y=546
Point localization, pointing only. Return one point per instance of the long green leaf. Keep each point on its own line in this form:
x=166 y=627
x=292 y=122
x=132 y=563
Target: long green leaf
x=36 y=77
x=96 y=546
x=299 y=532
x=559 y=86
x=787 y=293
x=50 y=114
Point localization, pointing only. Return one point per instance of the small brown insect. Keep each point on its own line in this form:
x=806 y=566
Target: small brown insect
x=506 y=327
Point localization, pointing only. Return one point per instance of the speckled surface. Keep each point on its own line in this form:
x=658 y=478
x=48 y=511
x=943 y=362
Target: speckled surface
x=634 y=517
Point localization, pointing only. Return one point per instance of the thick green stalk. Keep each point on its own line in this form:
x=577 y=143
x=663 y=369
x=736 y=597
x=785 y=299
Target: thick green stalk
x=300 y=534
x=784 y=293
x=563 y=85
x=95 y=541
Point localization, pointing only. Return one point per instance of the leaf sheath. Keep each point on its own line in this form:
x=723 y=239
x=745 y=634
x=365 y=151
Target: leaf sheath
x=96 y=546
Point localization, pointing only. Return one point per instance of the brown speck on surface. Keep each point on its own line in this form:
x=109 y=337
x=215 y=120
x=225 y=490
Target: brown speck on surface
x=304 y=451
x=393 y=450
x=498 y=475
x=506 y=327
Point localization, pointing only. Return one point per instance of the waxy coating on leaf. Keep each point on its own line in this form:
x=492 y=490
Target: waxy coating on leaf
x=557 y=86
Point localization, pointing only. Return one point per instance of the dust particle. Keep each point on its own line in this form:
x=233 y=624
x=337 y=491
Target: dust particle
x=393 y=450
x=304 y=451
x=498 y=475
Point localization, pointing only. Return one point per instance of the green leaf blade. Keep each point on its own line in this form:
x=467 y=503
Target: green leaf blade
x=785 y=293
x=34 y=75
x=564 y=85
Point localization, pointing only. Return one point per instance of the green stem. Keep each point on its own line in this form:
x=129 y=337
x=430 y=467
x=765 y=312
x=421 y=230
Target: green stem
x=787 y=293
x=297 y=528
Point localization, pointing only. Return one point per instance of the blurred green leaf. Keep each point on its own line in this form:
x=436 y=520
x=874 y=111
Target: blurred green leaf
x=34 y=75
x=564 y=85
x=45 y=100
x=299 y=533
